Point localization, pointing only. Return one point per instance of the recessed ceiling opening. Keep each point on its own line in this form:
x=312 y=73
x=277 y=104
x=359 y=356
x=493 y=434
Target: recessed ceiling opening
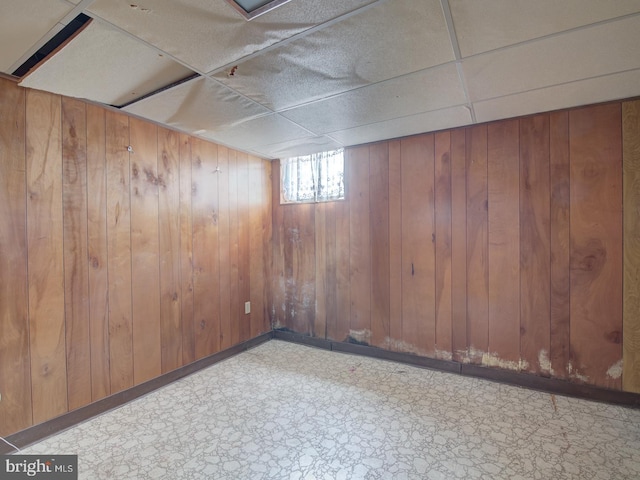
x=250 y=9
x=71 y=29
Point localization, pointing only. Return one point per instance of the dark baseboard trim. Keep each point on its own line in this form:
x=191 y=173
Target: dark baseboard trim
x=534 y=382
x=43 y=430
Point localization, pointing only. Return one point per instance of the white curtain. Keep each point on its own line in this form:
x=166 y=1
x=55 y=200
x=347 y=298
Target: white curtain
x=313 y=178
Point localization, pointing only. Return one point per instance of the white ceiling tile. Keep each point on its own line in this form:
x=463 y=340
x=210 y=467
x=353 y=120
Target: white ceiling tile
x=485 y=25
x=207 y=34
x=23 y=23
x=580 y=54
x=391 y=39
x=105 y=65
x=294 y=148
x=200 y=106
x=259 y=131
x=401 y=127
x=431 y=89
x=593 y=90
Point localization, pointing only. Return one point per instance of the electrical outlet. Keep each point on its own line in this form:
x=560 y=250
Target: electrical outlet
x=247 y=308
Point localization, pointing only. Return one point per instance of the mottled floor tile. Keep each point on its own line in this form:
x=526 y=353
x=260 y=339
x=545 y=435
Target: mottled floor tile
x=286 y=411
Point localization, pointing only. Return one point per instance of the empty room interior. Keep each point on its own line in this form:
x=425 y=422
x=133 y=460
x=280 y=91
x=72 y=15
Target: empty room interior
x=376 y=239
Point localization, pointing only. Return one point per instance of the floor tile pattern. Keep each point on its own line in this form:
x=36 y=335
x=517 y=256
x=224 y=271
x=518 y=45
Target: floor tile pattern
x=287 y=411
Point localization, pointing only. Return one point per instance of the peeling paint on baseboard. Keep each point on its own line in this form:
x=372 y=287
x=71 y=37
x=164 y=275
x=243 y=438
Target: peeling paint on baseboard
x=615 y=370
x=544 y=362
x=493 y=360
x=362 y=336
x=444 y=355
x=574 y=373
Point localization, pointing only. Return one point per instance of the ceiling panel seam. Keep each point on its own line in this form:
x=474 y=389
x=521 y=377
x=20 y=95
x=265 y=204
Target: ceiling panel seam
x=379 y=82
x=608 y=74
x=451 y=28
x=464 y=105
x=298 y=36
x=555 y=34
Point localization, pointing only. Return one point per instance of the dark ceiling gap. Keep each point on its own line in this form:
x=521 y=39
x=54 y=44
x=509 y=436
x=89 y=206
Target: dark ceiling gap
x=52 y=45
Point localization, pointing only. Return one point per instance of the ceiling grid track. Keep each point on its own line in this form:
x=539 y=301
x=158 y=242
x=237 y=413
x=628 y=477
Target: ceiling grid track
x=446 y=9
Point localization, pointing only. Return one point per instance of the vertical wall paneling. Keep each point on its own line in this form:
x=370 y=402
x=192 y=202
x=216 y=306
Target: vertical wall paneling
x=119 y=251
x=278 y=306
x=418 y=244
x=76 y=258
x=15 y=370
x=244 y=246
x=320 y=321
x=236 y=307
x=186 y=253
x=631 y=299
x=443 y=202
x=343 y=285
x=45 y=253
x=458 y=245
x=267 y=226
x=256 y=246
x=145 y=268
x=205 y=247
x=169 y=248
x=559 y=353
x=477 y=243
x=535 y=280
x=395 y=244
x=379 y=237
x=330 y=276
x=357 y=168
x=504 y=244
x=97 y=252
x=224 y=247
x=595 y=148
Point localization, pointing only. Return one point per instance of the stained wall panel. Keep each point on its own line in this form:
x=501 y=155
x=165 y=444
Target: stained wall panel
x=15 y=370
x=595 y=149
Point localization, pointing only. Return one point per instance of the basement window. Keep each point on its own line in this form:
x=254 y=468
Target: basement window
x=312 y=178
x=250 y=9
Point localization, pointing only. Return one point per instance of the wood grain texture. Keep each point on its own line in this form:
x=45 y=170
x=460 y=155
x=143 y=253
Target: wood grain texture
x=442 y=181
x=119 y=251
x=595 y=147
x=320 y=229
x=145 y=251
x=278 y=304
x=256 y=246
x=357 y=168
x=169 y=249
x=379 y=238
x=395 y=244
x=504 y=243
x=459 y=342
x=45 y=250
x=267 y=235
x=76 y=257
x=343 y=285
x=559 y=353
x=186 y=253
x=206 y=282
x=15 y=370
x=535 y=306
x=418 y=245
x=224 y=243
x=244 y=245
x=330 y=287
x=631 y=202
x=97 y=252
x=477 y=243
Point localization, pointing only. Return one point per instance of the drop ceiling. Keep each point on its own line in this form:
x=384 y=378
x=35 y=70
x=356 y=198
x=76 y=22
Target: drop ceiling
x=310 y=76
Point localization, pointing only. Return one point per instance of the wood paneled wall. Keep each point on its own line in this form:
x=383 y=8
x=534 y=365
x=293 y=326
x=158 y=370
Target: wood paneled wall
x=499 y=244
x=116 y=267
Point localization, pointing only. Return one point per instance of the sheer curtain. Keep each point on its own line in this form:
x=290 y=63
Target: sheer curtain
x=313 y=178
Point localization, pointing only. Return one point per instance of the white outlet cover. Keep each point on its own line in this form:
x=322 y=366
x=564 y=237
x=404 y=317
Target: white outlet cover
x=247 y=308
